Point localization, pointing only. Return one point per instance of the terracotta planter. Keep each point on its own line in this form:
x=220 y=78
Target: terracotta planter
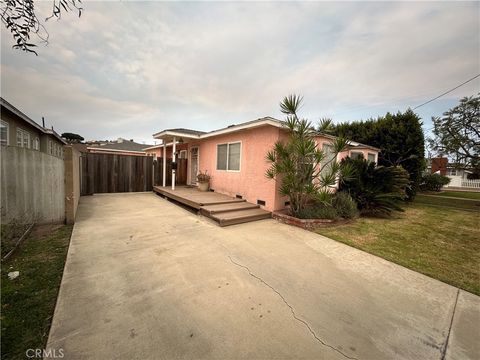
x=203 y=186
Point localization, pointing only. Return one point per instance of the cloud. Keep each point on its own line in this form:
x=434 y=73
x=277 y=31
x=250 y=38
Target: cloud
x=132 y=68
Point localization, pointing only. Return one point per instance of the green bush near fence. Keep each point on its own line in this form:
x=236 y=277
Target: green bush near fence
x=433 y=182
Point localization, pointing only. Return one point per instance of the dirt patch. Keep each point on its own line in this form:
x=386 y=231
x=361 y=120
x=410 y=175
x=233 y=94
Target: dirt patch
x=46 y=229
x=366 y=239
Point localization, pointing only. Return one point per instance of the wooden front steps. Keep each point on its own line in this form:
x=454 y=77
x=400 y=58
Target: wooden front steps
x=224 y=209
x=240 y=216
x=221 y=208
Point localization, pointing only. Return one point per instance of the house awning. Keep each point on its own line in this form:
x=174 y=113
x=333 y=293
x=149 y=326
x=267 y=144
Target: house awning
x=179 y=134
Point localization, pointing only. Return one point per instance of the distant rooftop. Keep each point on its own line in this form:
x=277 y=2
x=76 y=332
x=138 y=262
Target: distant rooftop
x=122 y=144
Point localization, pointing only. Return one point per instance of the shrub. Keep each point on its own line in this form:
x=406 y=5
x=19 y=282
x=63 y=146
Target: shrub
x=339 y=205
x=376 y=189
x=400 y=138
x=344 y=205
x=433 y=182
x=318 y=211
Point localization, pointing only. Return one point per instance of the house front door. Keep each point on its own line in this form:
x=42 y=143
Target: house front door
x=193 y=165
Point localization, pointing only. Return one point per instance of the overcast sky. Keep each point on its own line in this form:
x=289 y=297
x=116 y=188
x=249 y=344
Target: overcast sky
x=129 y=69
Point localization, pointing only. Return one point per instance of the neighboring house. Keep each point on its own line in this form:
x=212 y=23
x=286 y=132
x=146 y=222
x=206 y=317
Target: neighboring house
x=235 y=157
x=17 y=129
x=119 y=147
x=459 y=177
x=440 y=165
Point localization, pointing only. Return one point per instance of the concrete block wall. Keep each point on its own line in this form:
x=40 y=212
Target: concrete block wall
x=32 y=186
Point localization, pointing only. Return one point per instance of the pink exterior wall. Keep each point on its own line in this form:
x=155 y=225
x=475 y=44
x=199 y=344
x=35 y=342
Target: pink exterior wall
x=156 y=152
x=324 y=140
x=159 y=151
x=250 y=182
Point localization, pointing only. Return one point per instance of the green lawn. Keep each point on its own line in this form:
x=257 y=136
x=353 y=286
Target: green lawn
x=461 y=194
x=459 y=203
x=439 y=242
x=29 y=300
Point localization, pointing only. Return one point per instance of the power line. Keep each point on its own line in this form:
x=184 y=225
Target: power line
x=446 y=92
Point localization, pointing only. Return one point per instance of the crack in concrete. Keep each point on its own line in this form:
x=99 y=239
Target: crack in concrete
x=444 y=350
x=293 y=311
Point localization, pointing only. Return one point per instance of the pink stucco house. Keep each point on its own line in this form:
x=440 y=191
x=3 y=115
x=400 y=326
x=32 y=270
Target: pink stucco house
x=235 y=157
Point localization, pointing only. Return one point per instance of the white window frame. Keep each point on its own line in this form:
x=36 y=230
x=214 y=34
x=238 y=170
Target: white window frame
x=36 y=143
x=50 y=147
x=322 y=163
x=185 y=154
x=24 y=135
x=190 y=163
x=7 y=125
x=228 y=151
x=374 y=155
x=356 y=152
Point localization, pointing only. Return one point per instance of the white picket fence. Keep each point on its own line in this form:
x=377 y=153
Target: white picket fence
x=471 y=183
x=458 y=181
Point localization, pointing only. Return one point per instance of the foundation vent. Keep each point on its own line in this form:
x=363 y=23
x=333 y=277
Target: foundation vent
x=261 y=202
x=239 y=196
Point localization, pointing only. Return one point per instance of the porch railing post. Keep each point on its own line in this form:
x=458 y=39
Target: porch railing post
x=174 y=149
x=164 y=170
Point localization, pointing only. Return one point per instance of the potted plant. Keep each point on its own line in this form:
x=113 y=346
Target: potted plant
x=203 y=180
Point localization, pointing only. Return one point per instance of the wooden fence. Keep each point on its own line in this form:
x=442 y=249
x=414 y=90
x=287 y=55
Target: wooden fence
x=109 y=173
x=180 y=175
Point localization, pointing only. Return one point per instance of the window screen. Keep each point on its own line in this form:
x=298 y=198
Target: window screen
x=222 y=157
x=371 y=157
x=356 y=155
x=228 y=156
x=329 y=156
x=234 y=156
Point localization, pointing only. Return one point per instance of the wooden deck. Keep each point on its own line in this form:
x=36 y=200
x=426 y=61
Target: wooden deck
x=224 y=209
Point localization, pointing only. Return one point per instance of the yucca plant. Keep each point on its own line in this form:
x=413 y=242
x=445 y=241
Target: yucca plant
x=302 y=168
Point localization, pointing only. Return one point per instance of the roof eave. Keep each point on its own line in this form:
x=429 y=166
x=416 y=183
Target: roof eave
x=245 y=126
x=55 y=135
x=168 y=133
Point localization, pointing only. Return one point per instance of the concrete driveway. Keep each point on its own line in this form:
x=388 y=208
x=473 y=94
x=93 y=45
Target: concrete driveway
x=146 y=279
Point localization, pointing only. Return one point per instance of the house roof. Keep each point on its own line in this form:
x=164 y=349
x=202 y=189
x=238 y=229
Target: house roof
x=168 y=134
x=4 y=103
x=186 y=131
x=126 y=145
x=193 y=134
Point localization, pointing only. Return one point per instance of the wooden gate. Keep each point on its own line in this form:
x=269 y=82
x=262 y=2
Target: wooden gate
x=180 y=175
x=109 y=173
